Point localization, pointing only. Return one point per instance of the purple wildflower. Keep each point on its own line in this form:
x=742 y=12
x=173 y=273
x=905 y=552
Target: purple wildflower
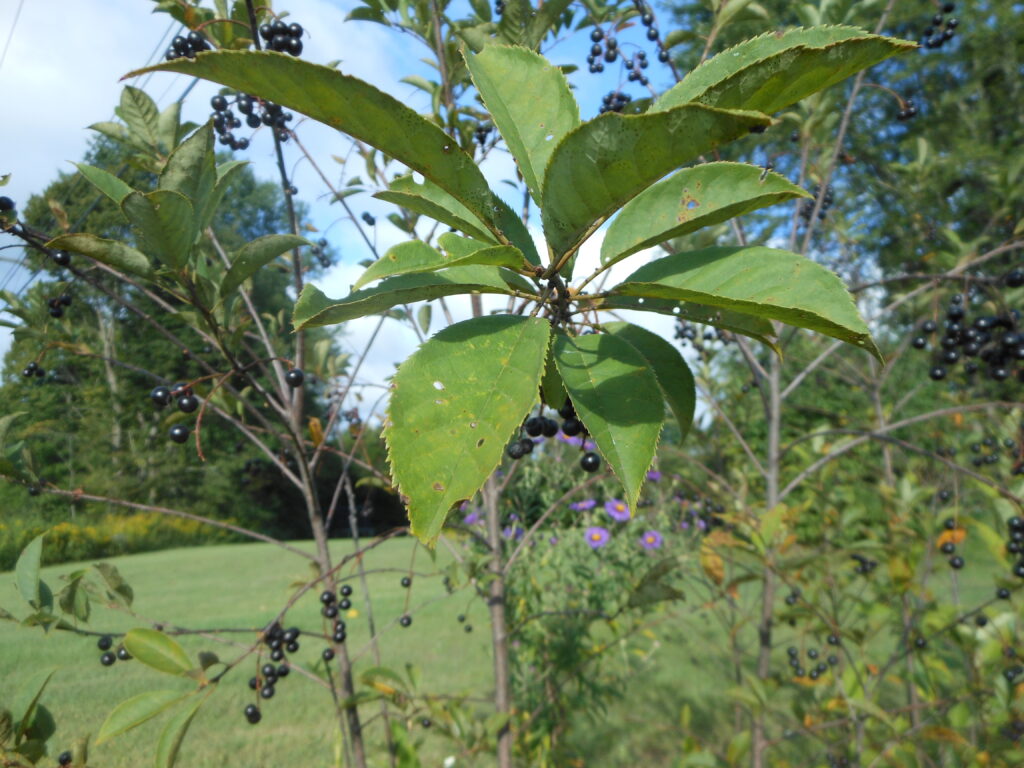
x=653 y=475
x=651 y=540
x=513 y=532
x=583 y=506
x=472 y=518
x=617 y=509
x=597 y=536
x=553 y=540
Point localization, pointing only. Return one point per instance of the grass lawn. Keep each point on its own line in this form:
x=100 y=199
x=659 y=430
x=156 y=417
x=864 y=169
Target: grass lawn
x=243 y=585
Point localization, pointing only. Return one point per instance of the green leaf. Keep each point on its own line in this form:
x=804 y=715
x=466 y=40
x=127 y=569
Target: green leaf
x=359 y=110
x=766 y=282
x=174 y=733
x=42 y=725
x=774 y=71
x=653 y=588
x=690 y=200
x=6 y=722
x=157 y=650
x=416 y=256
x=530 y=103
x=617 y=397
x=27 y=699
x=110 y=252
x=757 y=328
x=552 y=390
x=119 y=589
x=140 y=114
x=423 y=316
x=454 y=404
x=105 y=182
x=254 y=255
x=163 y=223
x=191 y=172
x=607 y=161
x=5 y=426
x=26 y=571
x=226 y=173
x=430 y=200
x=169 y=126
x=137 y=710
x=314 y=309
x=73 y=600
x=671 y=371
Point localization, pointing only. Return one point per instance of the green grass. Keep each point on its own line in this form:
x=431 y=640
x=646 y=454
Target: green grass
x=243 y=586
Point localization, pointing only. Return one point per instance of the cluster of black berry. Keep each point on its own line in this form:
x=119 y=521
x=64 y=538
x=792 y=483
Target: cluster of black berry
x=609 y=51
x=461 y=618
x=990 y=451
x=806 y=208
x=948 y=547
x=908 y=110
x=332 y=606
x=499 y=7
x=57 y=305
x=368 y=218
x=1015 y=543
x=538 y=426
x=318 y=252
x=283 y=38
x=819 y=667
x=864 y=565
x=483 y=130
x=279 y=641
x=614 y=101
x=188 y=46
x=256 y=113
x=702 y=342
x=33 y=369
x=187 y=403
x=1013 y=731
x=942 y=29
x=995 y=340
x=108 y=657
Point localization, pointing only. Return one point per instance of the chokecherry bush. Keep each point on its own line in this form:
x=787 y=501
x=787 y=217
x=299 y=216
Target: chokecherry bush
x=525 y=500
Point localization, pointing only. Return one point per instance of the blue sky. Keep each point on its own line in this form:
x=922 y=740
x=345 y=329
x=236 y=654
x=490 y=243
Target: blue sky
x=62 y=73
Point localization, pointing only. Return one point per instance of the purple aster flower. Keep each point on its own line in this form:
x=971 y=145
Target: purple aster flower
x=590 y=445
x=472 y=518
x=513 y=532
x=553 y=540
x=583 y=506
x=597 y=536
x=685 y=525
x=617 y=509
x=651 y=540
x=576 y=441
x=653 y=475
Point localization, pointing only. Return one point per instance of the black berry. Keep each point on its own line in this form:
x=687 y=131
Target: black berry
x=179 y=433
x=406 y=620
x=295 y=377
x=590 y=462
